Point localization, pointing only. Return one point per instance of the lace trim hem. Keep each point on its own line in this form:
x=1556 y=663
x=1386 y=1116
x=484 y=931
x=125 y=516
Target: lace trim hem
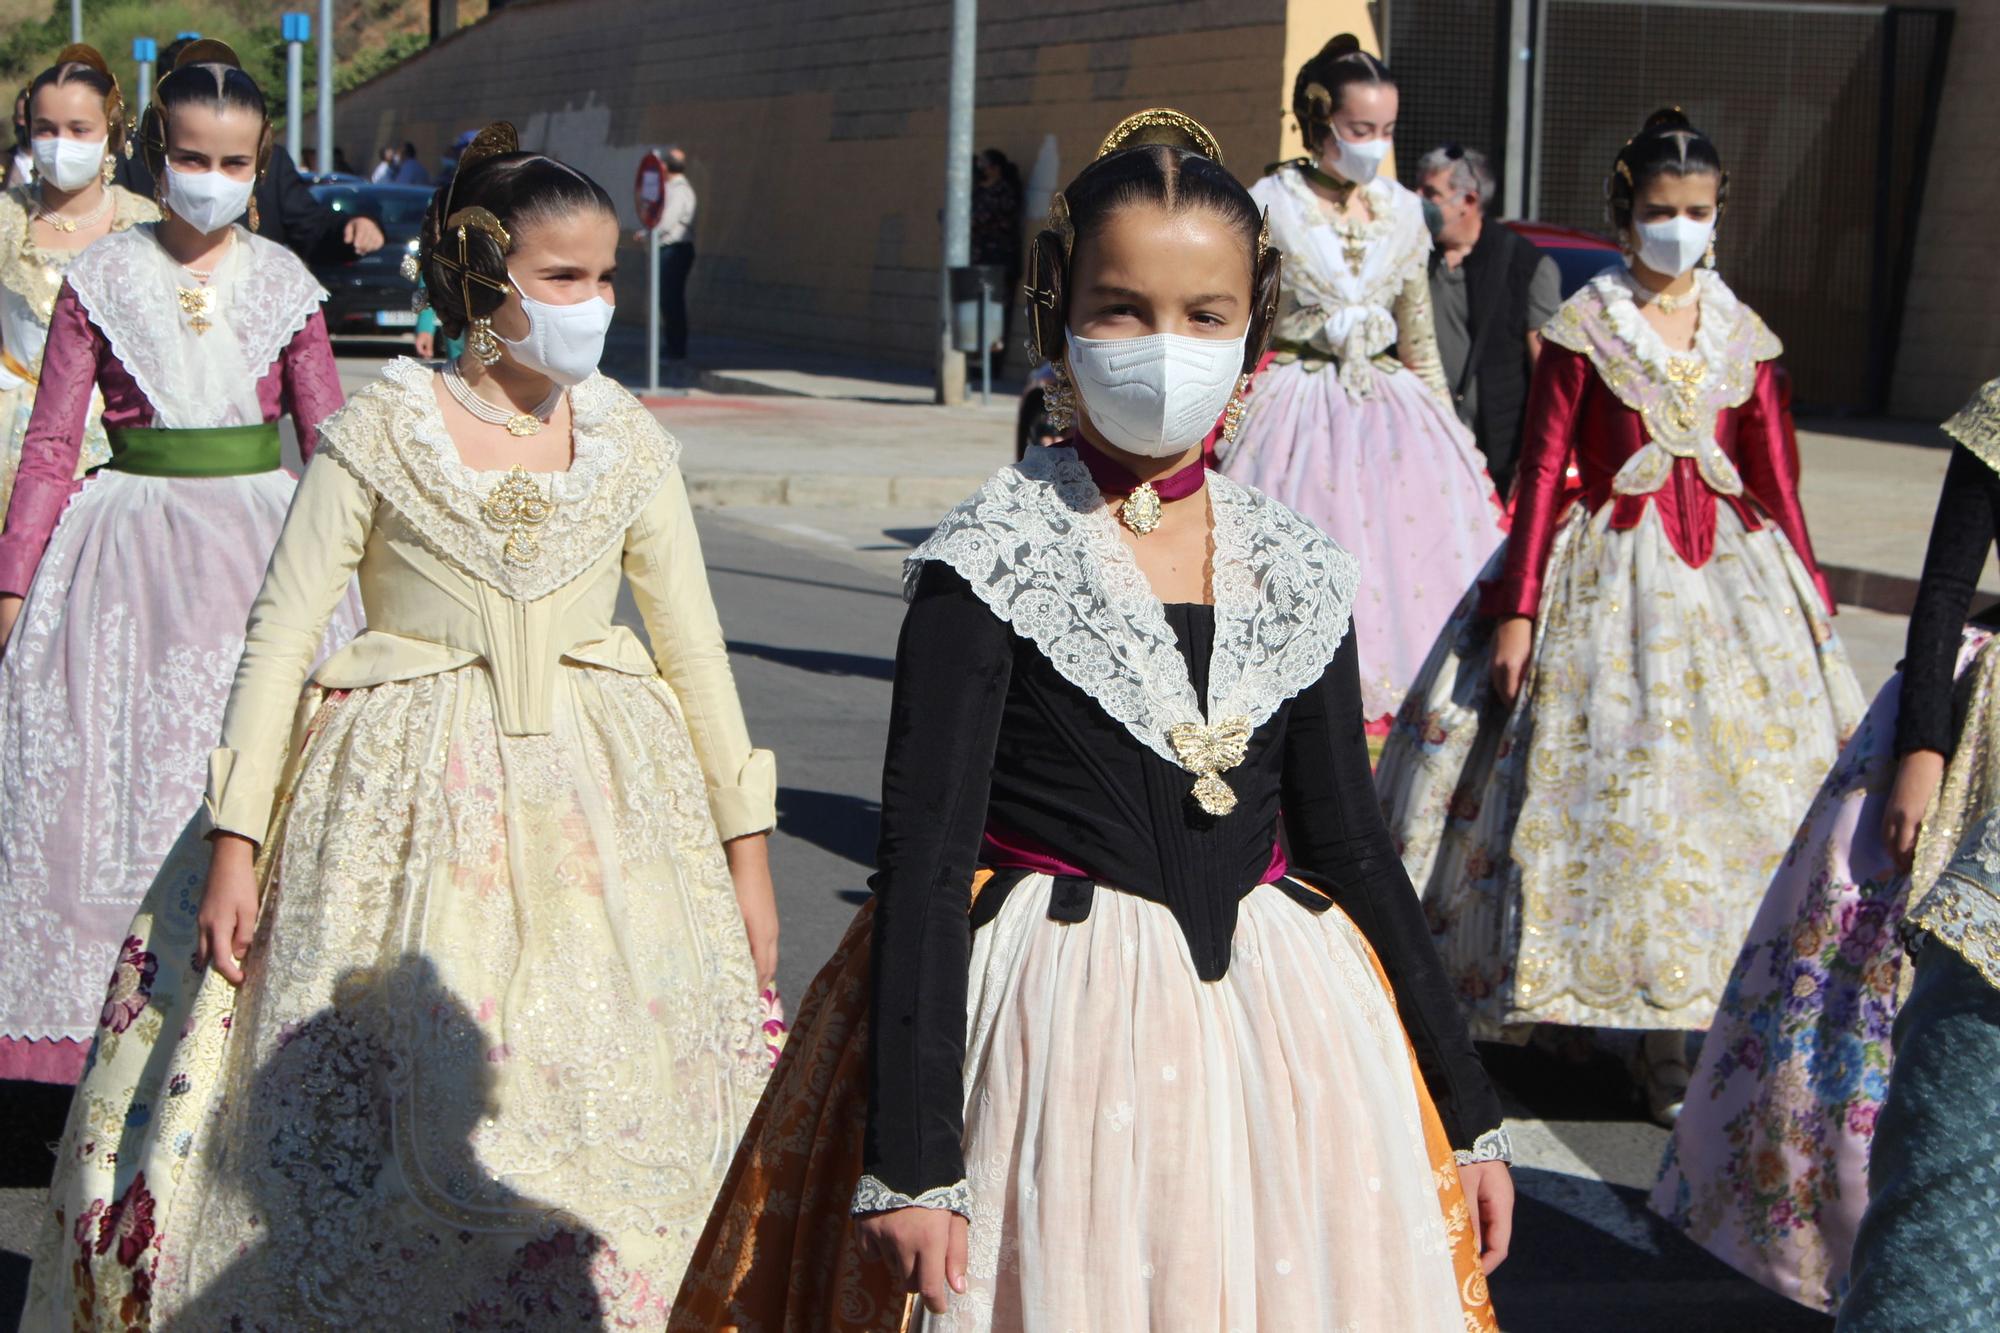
x=1493 y=1146
x=872 y=1196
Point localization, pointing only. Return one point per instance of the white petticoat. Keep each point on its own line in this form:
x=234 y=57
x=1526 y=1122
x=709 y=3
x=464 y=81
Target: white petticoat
x=111 y=696
x=1148 y=1150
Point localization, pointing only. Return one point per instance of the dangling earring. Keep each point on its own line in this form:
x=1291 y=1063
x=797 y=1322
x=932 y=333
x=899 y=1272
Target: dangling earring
x=253 y=210
x=1232 y=416
x=1708 y=260
x=1059 y=400
x=481 y=342
x=109 y=169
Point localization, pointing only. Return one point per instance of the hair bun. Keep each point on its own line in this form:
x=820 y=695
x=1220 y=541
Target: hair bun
x=1340 y=47
x=81 y=53
x=1666 y=120
x=207 y=51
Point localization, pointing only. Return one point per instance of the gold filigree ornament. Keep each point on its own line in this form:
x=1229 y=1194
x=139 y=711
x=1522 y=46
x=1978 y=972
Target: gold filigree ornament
x=1208 y=752
x=518 y=508
x=198 y=304
x=1141 y=510
x=1162 y=125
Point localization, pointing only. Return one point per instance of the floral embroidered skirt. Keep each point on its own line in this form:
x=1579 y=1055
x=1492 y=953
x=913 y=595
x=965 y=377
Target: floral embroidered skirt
x=1595 y=855
x=111 y=697
x=1397 y=480
x=499 y=1034
x=1767 y=1167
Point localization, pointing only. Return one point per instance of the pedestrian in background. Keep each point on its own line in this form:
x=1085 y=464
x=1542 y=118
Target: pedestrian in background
x=1491 y=291
x=674 y=233
x=996 y=231
x=385 y=170
x=21 y=170
x=410 y=167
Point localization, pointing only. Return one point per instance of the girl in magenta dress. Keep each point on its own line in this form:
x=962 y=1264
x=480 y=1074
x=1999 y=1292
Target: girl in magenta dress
x=123 y=597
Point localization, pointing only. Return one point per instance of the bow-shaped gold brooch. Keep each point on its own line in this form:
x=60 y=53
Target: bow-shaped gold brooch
x=1208 y=752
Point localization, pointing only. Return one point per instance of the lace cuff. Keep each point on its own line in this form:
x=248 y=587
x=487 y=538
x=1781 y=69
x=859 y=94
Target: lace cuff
x=1492 y=1146
x=872 y=1196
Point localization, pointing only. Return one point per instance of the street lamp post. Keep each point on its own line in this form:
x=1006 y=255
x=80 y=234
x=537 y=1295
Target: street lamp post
x=957 y=191
x=76 y=20
x=144 y=52
x=326 y=85
x=296 y=29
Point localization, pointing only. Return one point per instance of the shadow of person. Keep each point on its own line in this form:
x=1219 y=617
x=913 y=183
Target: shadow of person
x=352 y=1179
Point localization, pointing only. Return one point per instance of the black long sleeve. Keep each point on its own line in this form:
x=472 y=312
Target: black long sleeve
x=953 y=665
x=1962 y=534
x=1333 y=823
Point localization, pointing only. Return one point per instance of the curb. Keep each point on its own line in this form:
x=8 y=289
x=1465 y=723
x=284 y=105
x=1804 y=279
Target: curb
x=831 y=490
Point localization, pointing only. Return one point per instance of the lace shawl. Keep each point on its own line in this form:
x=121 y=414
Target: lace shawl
x=392 y=436
x=1977 y=425
x=264 y=295
x=1038 y=545
x=1677 y=394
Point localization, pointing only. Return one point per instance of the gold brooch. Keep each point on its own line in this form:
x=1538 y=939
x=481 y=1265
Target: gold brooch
x=517 y=507
x=197 y=303
x=1208 y=752
x=1141 y=510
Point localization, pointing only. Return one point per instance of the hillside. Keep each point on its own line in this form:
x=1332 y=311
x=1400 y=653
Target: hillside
x=370 y=36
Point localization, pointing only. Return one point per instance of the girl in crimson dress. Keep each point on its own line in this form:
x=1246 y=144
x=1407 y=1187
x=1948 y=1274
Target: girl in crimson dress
x=1610 y=744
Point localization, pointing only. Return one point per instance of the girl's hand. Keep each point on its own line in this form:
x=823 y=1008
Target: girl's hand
x=228 y=920
x=1917 y=779
x=426 y=345
x=1513 y=644
x=1489 y=1193
x=923 y=1247
x=750 y=870
x=10 y=611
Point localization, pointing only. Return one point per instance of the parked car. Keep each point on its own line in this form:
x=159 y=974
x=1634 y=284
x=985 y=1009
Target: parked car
x=370 y=297
x=1579 y=255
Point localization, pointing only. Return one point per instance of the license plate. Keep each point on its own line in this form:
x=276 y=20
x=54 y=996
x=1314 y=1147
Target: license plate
x=395 y=319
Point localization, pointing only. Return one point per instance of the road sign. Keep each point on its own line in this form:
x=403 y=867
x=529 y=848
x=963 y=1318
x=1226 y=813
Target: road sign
x=650 y=188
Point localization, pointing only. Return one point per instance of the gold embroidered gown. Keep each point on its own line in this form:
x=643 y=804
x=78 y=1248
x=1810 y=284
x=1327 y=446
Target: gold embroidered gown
x=500 y=1030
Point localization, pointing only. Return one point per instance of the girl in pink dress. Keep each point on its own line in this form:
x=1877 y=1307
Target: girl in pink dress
x=123 y=597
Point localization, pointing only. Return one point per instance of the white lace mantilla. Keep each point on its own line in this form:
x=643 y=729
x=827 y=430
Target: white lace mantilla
x=392 y=436
x=872 y=1196
x=195 y=378
x=1493 y=1146
x=1678 y=394
x=1039 y=546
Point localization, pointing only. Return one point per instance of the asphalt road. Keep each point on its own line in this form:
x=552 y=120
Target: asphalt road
x=811 y=604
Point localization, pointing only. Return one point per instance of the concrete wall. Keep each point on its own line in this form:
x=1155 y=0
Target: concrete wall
x=1951 y=321
x=816 y=127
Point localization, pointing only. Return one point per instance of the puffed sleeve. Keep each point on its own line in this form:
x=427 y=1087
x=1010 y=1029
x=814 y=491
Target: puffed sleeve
x=1548 y=437
x=322 y=541
x=953 y=666
x=670 y=586
x=1416 y=333
x=49 y=450
x=1334 y=826
x=1962 y=534
x=1763 y=456
x=312 y=382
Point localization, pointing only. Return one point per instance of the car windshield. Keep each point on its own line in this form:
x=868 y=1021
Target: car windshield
x=393 y=208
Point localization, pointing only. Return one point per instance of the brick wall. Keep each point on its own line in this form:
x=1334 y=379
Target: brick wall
x=1951 y=321
x=816 y=127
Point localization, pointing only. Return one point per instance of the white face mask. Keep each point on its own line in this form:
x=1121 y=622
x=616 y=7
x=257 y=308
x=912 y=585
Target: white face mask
x=69 y=164
x=208 y=201
x=564 y=342
x=1155 y=396
x=1357 y=162
x=1674 y=246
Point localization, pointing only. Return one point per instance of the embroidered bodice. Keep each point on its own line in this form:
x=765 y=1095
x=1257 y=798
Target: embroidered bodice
x=447 y=582
x=1038 y=683
x=30 y=276
x=1649 y=429
x=1352 y=290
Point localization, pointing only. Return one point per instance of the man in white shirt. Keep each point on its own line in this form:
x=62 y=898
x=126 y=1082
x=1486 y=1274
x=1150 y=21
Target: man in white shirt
x=675 y=234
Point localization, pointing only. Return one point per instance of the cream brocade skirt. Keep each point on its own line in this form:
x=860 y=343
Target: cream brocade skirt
x=1149 y=1151
x=1595 y=856
x=499 y=1036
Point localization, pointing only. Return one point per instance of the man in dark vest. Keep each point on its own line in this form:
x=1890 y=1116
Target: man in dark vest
x=1492 y=292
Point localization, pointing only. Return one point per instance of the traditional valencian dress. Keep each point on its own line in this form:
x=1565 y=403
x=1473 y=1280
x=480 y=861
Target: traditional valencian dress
x=30 y=277
x=1360 y=438
x=1768 y=1164
x=138 y=582
x=1595 y=855
x=500 y=1029
x=1157 y=1070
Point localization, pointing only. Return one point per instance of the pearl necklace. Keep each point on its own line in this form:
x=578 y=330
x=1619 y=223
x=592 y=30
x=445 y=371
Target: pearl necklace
x=517 y=423
x=43 y=213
